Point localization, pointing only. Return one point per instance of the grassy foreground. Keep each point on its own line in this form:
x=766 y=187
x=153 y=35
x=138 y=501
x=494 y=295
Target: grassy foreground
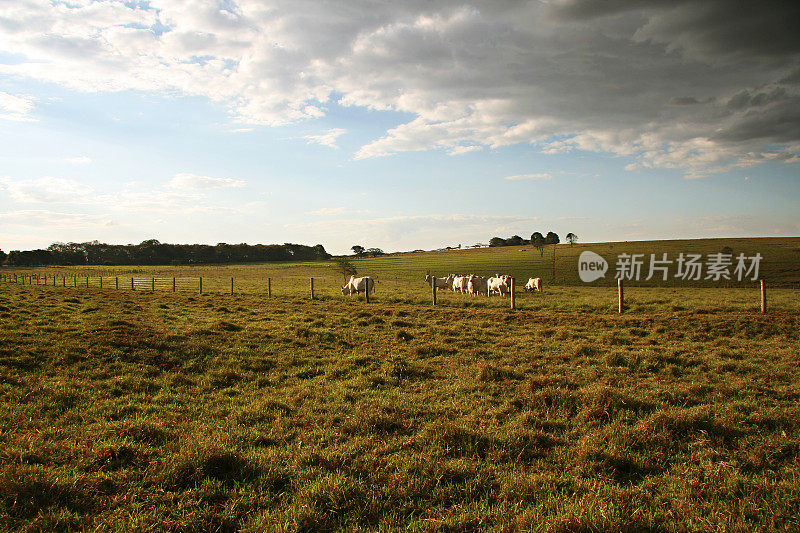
x=124 y=410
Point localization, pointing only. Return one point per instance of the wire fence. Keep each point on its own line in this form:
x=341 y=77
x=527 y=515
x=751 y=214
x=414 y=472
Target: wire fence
x=388 y=289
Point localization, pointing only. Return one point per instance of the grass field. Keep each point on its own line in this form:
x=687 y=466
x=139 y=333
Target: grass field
x=123 y=410
x=400 y=277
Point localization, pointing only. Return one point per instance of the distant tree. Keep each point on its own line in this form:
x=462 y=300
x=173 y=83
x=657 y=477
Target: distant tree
x=571 y=238
x=516 y=240
x=321 y=253
x=374 y=252
x=552 y=238
x=538 y=242
x=3 y=256
x=357 y=249
x=346 y=268
x=497 y=241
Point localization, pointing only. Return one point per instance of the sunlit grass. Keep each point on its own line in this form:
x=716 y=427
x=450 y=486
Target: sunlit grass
x=132 y=410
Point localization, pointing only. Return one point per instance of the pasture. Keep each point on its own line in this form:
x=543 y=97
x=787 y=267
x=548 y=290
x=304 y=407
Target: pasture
x=400 y=277
x=133 y=410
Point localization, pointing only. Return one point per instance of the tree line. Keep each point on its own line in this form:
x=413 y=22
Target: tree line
x=537 y=240
x=153 y=252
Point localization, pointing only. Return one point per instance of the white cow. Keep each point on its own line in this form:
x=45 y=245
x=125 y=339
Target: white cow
x=476 y=285
x=359 y=285
x=441 y=283
x=499 y=284
x=460 y=284
x=534 y=284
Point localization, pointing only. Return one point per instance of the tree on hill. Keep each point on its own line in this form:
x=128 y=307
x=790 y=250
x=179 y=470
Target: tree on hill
x=374 y=252
x=571 y=238
x=357 y=249
x=3 y=256
x=552 y=238
x=497 y=241
x=516 y=240
x=537 y=240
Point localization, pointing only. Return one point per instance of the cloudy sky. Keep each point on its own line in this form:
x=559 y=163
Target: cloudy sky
x=398 y=125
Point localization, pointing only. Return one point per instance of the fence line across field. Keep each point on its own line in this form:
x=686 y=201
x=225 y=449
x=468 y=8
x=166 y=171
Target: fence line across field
x=195 y=284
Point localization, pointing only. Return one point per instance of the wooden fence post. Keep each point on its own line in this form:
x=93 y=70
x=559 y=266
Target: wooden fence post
x=366 y=292
x=433 y=290
x=153 y=284
x=201 y=284
x=173 y=283
x=621 y=293
x=75 y=281
x=763 y=297
x=231 y=286
x=312 y=288
x=87 y=282
x=133 y=286
x=116 y=282
x=269 y=287
x=513 y=298
x=101 y=282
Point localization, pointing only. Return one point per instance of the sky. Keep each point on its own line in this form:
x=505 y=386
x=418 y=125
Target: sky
x=397 y=125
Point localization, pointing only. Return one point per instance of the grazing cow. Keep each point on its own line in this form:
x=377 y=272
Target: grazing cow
x=441 y=283
x=476 y=285
x=460 y=284
x=359 y=285
x=499 y=284
x=534 y=284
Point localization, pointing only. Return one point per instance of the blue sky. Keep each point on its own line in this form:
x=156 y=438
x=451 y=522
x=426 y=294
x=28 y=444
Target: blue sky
x=418 y=126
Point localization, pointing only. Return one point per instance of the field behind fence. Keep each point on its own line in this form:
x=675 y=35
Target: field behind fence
x=401 y=277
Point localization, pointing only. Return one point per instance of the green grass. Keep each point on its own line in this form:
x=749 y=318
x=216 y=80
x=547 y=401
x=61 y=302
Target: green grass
x=124 y=410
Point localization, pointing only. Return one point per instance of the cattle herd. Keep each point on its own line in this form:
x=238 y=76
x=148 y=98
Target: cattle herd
x=477 y=285
x=471 y=284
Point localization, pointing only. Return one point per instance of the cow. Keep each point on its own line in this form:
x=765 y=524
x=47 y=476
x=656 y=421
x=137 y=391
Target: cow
x=441 y=283
x=476 y=285
x=534 y=284
x=460 y=284
x=359 y=285
x=499 y=284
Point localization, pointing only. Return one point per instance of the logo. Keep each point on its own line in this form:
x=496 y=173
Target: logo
x=591 y=266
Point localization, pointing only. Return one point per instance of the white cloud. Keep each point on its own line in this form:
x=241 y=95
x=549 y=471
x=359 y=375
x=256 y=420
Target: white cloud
x=519 y=177
x=44 y=218
x=193 y=182
x=337 y=211
x=326 y=139
x=458 y=150
x=48 y=190
x=187 y=198
x=16 y=107
x=687 y=85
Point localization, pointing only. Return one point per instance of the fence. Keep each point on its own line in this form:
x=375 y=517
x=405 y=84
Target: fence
x=196 y=285
x=153 y=284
